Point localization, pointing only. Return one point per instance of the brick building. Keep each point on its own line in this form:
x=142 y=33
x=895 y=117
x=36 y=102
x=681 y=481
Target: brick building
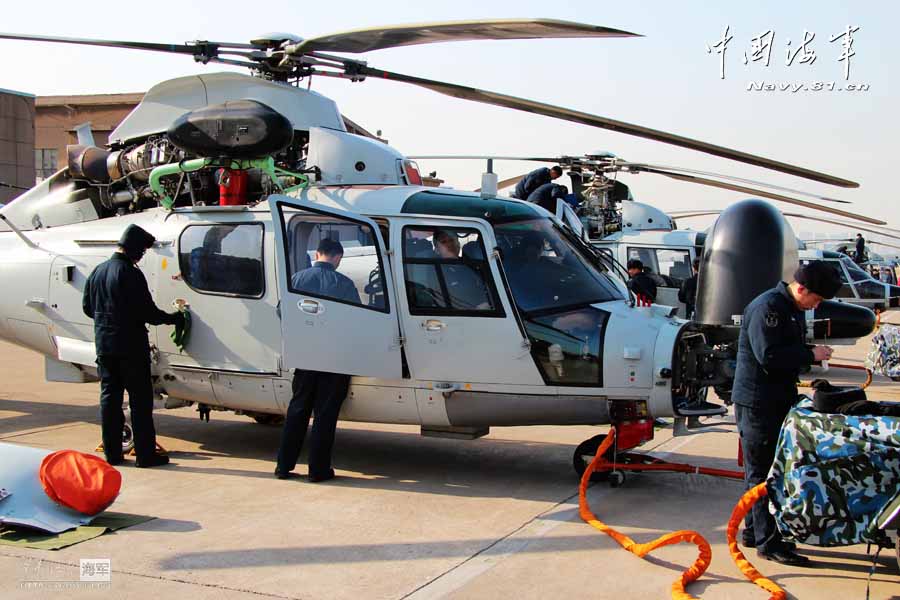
x=58 y=116
x=17 y=113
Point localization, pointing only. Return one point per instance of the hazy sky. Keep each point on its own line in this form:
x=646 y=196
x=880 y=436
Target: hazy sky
x=666 y=80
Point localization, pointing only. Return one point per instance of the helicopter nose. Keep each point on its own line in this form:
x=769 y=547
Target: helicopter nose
x=840 y=320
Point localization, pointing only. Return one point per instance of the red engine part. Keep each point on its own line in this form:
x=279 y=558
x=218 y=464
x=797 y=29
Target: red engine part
x=630 y=434
x=232 y=187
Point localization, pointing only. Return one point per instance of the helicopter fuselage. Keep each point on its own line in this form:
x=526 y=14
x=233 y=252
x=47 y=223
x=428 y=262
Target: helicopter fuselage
x=534 y=357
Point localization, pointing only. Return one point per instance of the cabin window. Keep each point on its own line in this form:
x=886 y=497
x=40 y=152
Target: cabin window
x=334 y=258
x=223 y=259
x=446 y=272
x=668 y=267
x=45 y=163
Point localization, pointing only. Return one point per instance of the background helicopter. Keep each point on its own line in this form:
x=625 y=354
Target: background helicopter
x=624 y=228
x=558 y=359
x=860 y=287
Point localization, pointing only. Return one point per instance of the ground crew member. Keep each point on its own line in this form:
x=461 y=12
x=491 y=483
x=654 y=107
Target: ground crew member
x=534 y=180
x=315 y=391
x=860 y=249
x=771 y=354
x=688 y=291
x=640 y=284
x=546 y=196
x=117 y=298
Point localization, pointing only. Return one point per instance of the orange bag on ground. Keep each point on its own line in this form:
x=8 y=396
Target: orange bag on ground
x=82 y=482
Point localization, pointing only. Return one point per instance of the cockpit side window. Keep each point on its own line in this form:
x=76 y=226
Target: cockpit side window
x=446 y=272
x=669 y=267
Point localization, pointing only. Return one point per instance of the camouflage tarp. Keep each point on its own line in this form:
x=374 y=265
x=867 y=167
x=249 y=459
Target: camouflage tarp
x=832 y=475
x=884 y=357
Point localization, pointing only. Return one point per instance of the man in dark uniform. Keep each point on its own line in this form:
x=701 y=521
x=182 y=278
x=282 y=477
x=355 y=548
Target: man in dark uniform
x=117 y=298
x=688 y=291
x=771 y=353
x=860 y=256
x=640 y=284
x=534 y=180
x=546 y=196
x=316 y=391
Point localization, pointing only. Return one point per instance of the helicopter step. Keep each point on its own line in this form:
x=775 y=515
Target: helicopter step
x=455 y=433
x=703 y=409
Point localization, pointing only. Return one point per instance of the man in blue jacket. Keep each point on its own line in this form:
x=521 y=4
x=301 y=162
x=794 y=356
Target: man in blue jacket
x=771 y=354
x=546 y=196
x=534 y=180
x=117 y=298
x=316 y=391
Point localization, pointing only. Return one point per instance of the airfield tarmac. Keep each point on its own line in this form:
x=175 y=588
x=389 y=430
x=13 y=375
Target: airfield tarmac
x=408 y=516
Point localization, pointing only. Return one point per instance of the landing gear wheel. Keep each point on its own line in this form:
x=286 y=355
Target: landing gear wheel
x=585 y=453
x=127 y=439
x=266 y=419
x=616 y=478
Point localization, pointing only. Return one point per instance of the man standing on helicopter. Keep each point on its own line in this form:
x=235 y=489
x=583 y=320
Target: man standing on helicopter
x=117 y=298
x=534 y=180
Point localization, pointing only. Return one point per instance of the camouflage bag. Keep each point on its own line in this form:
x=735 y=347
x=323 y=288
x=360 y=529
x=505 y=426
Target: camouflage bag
x=884 y=357
x=832 y=475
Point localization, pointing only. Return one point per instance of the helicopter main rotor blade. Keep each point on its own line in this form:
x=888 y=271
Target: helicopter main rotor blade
x=202 y=51
x=567 y=114
x=478 y=157
x=856 y=226
x=663 y=170
x=772 y=196
x=882 y=244
x=378 y=38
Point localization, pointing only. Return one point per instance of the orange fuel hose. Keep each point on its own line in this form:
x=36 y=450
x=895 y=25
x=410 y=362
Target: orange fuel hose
x=705 y=553
x=751 y=497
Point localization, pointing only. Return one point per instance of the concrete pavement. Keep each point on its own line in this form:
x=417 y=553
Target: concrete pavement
x=408 y=517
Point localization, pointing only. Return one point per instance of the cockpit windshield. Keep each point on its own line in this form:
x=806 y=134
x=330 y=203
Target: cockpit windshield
x=546 y=270
x=856 y=273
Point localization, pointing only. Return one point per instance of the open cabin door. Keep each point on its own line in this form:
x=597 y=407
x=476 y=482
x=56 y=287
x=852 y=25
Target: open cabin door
x=336 y=318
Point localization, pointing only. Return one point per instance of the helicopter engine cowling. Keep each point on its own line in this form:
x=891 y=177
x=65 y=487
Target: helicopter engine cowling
x=235 y=129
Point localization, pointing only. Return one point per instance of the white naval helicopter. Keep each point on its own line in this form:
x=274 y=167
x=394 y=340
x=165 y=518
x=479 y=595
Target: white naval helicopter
x=606 y=215
x=240 y=177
